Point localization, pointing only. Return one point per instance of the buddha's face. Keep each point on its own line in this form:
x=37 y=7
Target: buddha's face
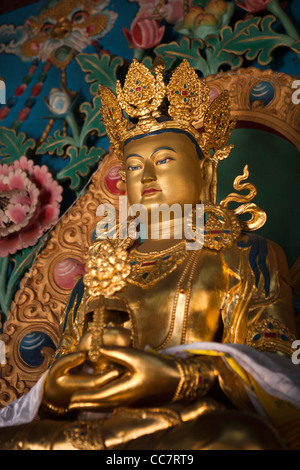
x=163 y=169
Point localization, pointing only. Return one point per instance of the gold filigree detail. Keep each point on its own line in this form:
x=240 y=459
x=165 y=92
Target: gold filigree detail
x=142 y=93
x=196 y=379
x=141 y=98
x=217 y=126
x=107 y=268
x=113 y=118
x=193 y=101
x=86 y=435
x=122 y=173
x=279 y=115
x=150 y=268
x=221 y=229
x=272 y=336
x=107 y=271
x=222 y=153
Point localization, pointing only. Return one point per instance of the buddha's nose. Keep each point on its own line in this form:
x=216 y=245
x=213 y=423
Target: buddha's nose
x=149 y=173
x=62 y=28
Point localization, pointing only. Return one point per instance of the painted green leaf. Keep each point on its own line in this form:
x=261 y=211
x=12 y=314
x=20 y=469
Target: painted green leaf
x=93 y=119
x=14 y=145
x=252 y=38
x=99 y=70
x=22 y=261
x=81 y=162
x=185 y=49
x=216 y=57
x=148 y=62
x=296 y=46
x=55 y=144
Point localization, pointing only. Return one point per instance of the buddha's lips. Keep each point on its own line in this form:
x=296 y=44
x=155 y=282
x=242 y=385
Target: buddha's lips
x=150 y=190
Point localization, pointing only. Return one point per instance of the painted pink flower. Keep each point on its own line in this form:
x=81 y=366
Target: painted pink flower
x=29 y=204
x=253 y=6
x=144 y=32
x=172 y=11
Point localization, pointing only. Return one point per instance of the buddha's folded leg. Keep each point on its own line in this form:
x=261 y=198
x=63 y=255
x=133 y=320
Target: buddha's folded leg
x=200 y=426
x=122 y=426
x=219 y=430
x=37 y=435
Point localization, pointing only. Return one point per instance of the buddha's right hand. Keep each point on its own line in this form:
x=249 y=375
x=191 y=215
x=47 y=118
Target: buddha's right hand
x=62 y=380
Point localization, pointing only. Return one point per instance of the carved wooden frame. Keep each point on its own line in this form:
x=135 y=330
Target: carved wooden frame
x=280 y=115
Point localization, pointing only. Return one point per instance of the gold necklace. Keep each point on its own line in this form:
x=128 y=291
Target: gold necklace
x=186 y=294
x=150 y=268
x=158 y=252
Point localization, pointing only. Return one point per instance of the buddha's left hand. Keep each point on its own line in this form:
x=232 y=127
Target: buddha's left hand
x=148 y=380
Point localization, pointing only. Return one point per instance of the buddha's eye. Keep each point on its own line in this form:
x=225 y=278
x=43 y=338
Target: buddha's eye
x=133 y=167
x=164 y=160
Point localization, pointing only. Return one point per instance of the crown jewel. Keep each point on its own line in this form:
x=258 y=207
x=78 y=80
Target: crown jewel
x=142 y=97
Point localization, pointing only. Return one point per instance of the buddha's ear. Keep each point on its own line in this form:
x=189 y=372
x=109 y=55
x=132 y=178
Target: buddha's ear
x=207 y=172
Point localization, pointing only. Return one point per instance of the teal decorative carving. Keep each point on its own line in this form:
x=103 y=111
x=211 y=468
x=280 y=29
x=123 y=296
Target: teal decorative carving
x=99 y=69
x=190 y=49
x=13 y=145
x=82 y=158
x=273 y=6
x=81 y=161
x=252 y=39
x=13 y=268
x=93 y=120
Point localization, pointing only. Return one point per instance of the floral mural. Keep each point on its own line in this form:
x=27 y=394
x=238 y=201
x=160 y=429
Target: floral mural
x=145 y=32
x=29 y=204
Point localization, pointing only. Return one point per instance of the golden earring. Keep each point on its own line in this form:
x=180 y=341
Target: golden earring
x=122 y=173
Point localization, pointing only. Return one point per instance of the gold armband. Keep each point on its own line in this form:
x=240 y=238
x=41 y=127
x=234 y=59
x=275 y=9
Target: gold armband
x=196 y=378
x=272 y=336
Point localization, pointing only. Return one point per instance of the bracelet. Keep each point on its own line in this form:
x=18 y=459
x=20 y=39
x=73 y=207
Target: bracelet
x=272 y=336
x=53 y=409
x=196 y=378
x=86 y=435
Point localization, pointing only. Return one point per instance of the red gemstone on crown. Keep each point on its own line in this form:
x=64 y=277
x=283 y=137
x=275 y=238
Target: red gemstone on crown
x=270 y=335
x=148 y=263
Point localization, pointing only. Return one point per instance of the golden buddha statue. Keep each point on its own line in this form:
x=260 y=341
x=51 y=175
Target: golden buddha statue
x=167 y=344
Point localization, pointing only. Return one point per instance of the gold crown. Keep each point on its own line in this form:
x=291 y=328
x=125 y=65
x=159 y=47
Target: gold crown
x=142 y=97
